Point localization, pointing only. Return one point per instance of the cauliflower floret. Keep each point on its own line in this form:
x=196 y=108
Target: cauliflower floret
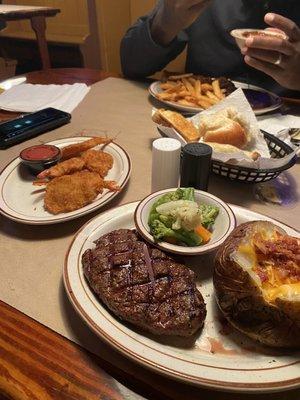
x=185 y=212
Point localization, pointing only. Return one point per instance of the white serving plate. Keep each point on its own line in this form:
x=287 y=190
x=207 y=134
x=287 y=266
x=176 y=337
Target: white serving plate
x=154 y=89
x=23 y=202
x=223 y=226
x=228 y=362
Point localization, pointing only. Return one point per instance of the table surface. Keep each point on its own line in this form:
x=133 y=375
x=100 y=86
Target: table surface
x=15 y=12
x=37 y=363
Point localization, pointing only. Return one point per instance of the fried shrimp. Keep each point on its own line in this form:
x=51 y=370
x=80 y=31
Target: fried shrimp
x=77 y=148
x=67 y=167
x=98 y=161
x=70 y=192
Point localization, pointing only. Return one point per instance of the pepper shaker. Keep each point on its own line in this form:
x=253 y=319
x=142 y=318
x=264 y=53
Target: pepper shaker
x=195 y=165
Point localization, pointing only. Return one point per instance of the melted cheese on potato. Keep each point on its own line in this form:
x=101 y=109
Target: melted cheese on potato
x=286 y=291
x=274 y=286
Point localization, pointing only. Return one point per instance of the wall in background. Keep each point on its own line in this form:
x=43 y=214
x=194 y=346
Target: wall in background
x=95 y=27
x=75 y=26
x=69 y=26
x=115 y=17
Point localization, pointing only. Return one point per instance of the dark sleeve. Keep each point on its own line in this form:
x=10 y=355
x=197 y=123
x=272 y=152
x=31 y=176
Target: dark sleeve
x=141 y=56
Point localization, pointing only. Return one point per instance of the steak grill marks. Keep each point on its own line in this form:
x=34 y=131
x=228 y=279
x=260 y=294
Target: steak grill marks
x=143 y=285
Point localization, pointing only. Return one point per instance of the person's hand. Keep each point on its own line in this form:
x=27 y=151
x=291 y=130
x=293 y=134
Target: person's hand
x=174 y=15
x=279 y=58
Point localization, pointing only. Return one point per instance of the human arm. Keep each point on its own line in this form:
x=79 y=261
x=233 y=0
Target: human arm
x=172 y=16
x=279 y=58
x=147 y=47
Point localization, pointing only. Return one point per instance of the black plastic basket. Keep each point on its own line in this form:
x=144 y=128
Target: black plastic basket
x=278 y=149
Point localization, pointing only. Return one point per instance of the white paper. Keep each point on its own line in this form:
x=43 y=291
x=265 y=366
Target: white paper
x=238 y=101
x=30 y=98
x=279 y=125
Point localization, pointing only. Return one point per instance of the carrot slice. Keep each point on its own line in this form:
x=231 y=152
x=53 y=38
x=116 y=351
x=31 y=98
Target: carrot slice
x=204 y=233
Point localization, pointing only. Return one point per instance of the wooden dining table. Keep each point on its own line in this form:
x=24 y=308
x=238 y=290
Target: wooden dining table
x=37 y=17
x=38 y=363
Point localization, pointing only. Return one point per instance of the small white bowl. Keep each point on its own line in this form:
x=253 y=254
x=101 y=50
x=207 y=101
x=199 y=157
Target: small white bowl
x=240 y=39
x=223 y=226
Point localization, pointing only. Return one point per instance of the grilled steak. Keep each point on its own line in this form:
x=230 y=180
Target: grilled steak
x=143 y=285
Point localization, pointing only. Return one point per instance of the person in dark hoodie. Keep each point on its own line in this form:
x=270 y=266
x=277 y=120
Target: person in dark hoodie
x=204 y=27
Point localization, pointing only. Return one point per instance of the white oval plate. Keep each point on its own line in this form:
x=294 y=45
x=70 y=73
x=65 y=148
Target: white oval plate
x=237 y=364
x=223 y=226
x=154 y=89
x=23 y=202
x=274 y=98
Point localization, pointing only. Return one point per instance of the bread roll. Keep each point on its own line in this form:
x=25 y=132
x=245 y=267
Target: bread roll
x=177 y=121
x=227 y=148
x=224 y=127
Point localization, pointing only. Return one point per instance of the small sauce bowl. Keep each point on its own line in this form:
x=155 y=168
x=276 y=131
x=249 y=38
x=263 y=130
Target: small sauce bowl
x=241 y=35
x=40 y=157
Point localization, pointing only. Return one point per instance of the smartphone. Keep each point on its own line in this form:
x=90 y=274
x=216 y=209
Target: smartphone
x=30 y=125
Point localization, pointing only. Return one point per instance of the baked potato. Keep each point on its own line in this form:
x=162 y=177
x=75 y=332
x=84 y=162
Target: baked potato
x=257 y=283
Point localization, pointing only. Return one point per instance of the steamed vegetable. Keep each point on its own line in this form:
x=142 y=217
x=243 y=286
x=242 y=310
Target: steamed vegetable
x=176 y=218
x=204 y=233
x=161 y=232
x=184 y=212
x=208 y=214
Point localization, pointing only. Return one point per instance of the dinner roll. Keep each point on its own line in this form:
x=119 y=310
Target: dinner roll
x=224 y=127
x=228 y=148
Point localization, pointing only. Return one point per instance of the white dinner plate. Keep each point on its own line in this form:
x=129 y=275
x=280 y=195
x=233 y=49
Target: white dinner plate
x=217 y=357
x=269 y=101
x=23 y=202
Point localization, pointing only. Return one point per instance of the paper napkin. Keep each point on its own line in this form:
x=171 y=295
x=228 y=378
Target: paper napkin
x=30 y=98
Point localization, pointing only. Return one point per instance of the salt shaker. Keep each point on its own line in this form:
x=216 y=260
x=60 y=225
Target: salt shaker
x=195 y=165
x=165 y=163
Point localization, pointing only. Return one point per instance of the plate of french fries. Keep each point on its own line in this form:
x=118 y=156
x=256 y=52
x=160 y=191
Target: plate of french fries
x=190 y=92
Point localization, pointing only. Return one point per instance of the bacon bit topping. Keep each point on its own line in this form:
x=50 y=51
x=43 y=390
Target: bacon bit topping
x=278 y=259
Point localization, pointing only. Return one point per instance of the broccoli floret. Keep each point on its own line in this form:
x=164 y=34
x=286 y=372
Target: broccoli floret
x=208 y=214
x=166 y=220
x=188 y=194
x=161 y=232
x=180 y=194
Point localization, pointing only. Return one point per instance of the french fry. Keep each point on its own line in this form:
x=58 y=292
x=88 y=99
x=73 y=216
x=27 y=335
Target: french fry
x=189 y=86
x=167 y=85
x=165 y=96
x=177 y=77
x=197 y=87
x=208 y=100
x=205 y=87
x=211 y=95
x=204 y=104
x=191 y=99
x=186 y=103
x=217 y=90
x=183 y=93
x=188 y=90
x=192 y=80
x=174 y=89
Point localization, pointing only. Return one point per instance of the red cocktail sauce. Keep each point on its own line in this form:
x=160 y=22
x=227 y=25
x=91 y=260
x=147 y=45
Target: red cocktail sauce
x=40 y=152
x=261 y=33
